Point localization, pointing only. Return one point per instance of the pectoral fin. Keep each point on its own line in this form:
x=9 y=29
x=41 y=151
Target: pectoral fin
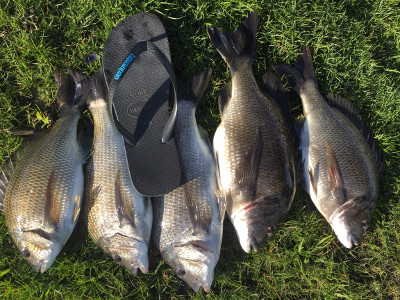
x=124 y=211
x=312 y=180
x=334 y=174
x=200 y=221
x=221 y=202
x=52 y=212
x=247 y=170
x=77 y=208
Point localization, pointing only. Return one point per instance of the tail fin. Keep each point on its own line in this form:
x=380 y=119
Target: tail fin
x=82 y=88
x=240 y=44
x=192 y=89
x=65 y=87
x=98 y=86
x=73 y=91
x=303 y=71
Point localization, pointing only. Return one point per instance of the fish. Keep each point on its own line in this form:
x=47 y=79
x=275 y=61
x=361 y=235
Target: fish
x=42 y=184
x=341 y=160
x=119 y=219
x=256 y=163
x=188 y=221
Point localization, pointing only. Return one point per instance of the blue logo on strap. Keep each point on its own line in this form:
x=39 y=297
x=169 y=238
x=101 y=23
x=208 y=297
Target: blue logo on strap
x=124 y=66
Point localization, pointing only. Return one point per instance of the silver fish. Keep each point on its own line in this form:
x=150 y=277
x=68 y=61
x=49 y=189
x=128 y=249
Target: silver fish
x=119 y=218
x=341 y=162
x=42 y=185
x=188 y=221
x=253 y=146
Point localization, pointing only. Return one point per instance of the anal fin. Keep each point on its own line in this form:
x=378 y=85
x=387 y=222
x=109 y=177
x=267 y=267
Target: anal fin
x=52 y=212
x=124 y=212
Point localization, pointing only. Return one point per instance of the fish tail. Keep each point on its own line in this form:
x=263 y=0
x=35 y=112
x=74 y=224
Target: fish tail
x=98 y=86
x=303 y=71
x=72 y=89
x=192 y=89
x=240 y=44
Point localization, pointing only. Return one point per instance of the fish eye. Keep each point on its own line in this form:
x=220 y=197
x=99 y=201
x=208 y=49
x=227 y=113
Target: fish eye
x=269 y=231
x=26 y=253
x=364 y=224
x=181 y=272
x=117 y=258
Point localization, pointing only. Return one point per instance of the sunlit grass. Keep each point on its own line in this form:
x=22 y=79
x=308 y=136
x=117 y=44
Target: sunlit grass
x=356 y=51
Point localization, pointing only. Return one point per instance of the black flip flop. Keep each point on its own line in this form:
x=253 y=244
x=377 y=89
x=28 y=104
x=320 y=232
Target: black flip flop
x=137 y=66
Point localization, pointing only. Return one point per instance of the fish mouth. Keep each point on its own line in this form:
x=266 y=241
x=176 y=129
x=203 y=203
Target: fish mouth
x=349 y=241
x=254 y=244
x=41 y=266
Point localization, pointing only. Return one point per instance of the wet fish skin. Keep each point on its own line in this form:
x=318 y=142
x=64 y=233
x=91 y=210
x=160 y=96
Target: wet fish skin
x=253 y=147
x=341 y=162
x=188 y=225
x=43 y=182
x=119 y=218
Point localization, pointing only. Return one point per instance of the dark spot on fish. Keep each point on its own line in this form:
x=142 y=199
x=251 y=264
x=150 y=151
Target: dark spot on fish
x=26 y=253
x=117 y=258
x=181 y=272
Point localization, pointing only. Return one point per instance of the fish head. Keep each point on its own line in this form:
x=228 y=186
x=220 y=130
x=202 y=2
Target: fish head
x=256 y=221
x=127 y=251
x=38 y=249
x=351 y=220
x=193 y=262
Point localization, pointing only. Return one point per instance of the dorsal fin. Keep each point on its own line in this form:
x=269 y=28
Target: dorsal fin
x=224 y=96
x=204 y=137
x=275 y=89
x=200 y=222
x=334 y=174
x=52 y=211
x=7 y=169
x=192 y=89
x=247 y=170
x=85 y=140
x=123 y=212
x=348 y=109
x=5 y=175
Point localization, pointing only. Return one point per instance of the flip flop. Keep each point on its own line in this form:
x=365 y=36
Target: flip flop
x=138 y=71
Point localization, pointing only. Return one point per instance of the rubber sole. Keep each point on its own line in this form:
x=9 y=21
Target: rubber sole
x=141 y=102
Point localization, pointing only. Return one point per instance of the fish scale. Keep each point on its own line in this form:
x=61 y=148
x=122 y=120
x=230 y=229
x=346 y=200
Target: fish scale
x=187 y=227
x=253 y=147
x=118 y=217
x=341 y=162
x=42 y=198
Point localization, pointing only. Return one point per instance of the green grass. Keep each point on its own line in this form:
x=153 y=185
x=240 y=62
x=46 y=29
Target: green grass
x=356 y=51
